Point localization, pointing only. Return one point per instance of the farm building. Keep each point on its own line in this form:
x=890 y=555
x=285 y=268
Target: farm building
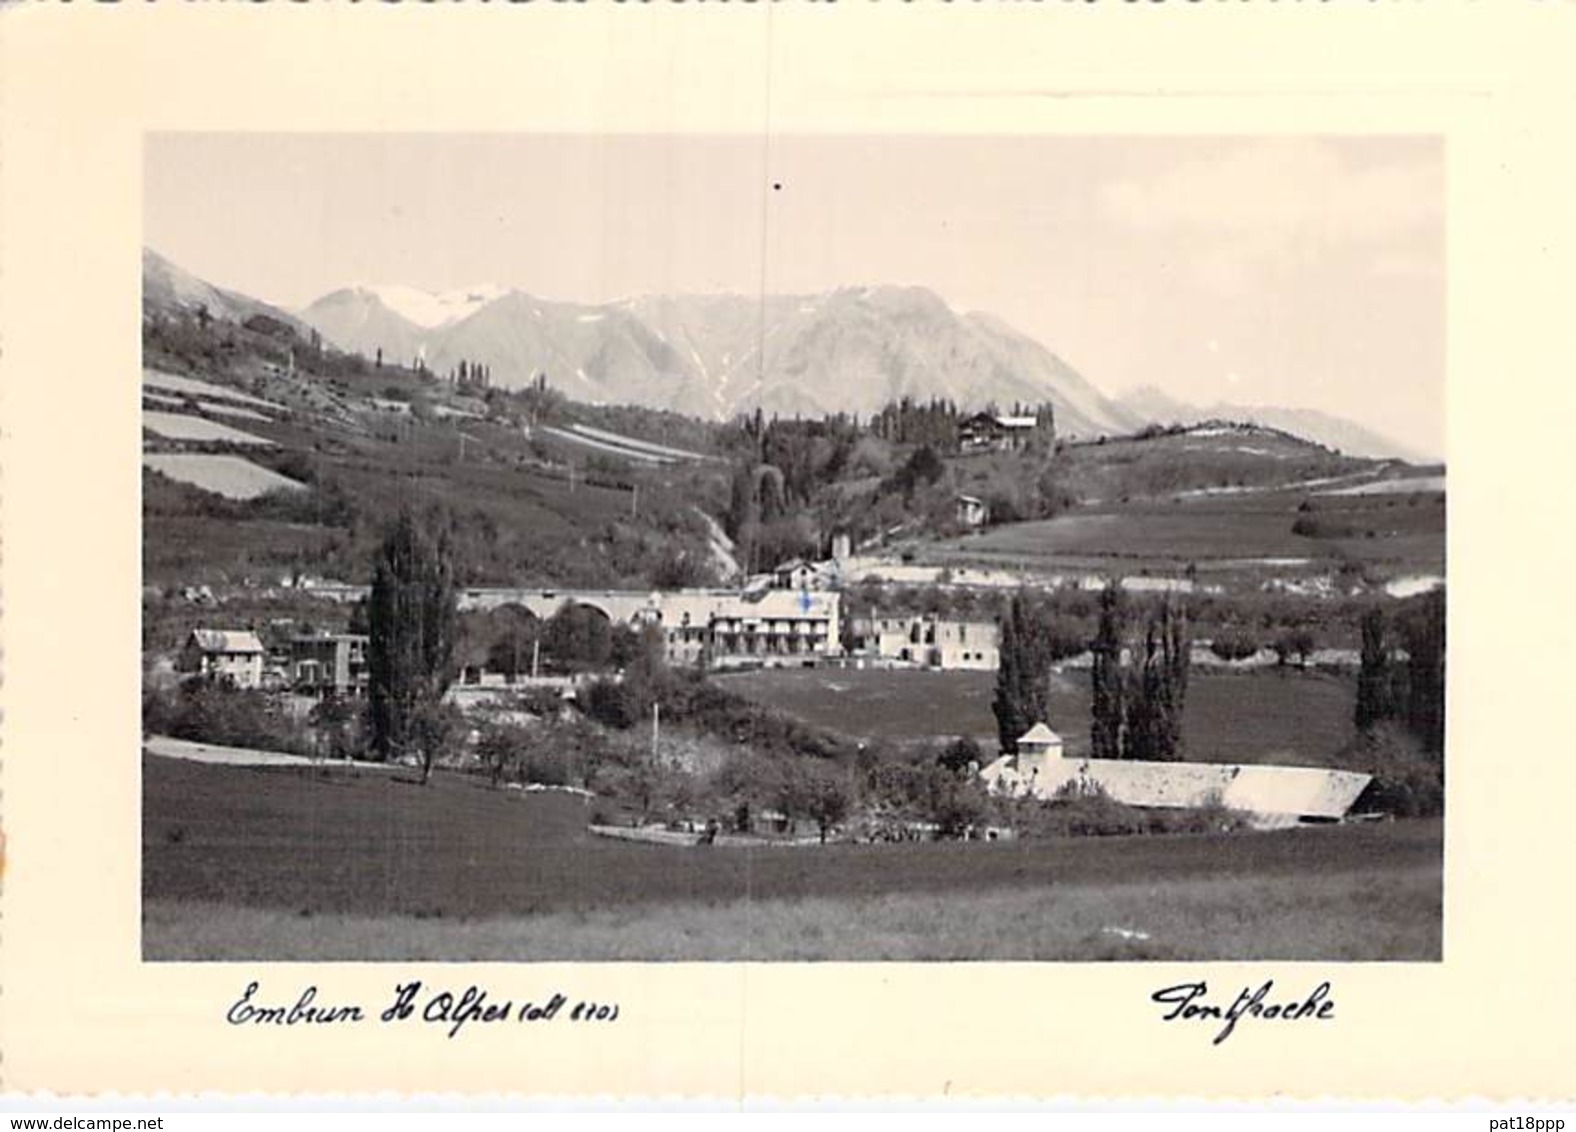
x=972 y=511
x=926 y=641
x=992 y=432
x=1271 y=796
x=232 y=655
x=329 y=664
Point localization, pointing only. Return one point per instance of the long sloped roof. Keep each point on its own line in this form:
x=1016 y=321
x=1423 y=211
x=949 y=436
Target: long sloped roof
x=1295 y=791
x=1302 y=790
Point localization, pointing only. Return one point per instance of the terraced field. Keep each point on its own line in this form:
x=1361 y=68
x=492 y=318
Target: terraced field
x=233 y=477
x=193 y=387
x=181 y=426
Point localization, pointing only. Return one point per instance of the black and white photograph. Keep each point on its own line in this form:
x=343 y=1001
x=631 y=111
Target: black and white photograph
x=806 y=547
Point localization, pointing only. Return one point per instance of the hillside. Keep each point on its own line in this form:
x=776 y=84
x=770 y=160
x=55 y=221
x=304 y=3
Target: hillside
x=714 y=356
x=268 y=456
x=170 y=289
x=1233 y=504
x=1148 y=405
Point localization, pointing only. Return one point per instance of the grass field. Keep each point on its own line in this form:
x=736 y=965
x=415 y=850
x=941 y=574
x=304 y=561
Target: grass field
x=1217 y=533
x=283 y=863
x=1347 y=917
x=1273 y=717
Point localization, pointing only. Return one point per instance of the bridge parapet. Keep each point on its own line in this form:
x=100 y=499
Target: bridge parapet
x=618 y=606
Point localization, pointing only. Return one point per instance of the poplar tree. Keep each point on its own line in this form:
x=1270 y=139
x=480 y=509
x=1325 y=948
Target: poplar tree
x=1138 y=714
x=412 y=624
x=1106 y=702
x=1171 y=689
x=1374 y=700
x=1023 y=674
x=1424 y=632
x=1143 y=699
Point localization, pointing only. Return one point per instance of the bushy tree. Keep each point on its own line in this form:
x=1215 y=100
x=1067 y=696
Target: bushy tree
x=817 y=790
x=579 y=638
x=1235 y=645
x=1300 y=643
x=745 y=782
x=510 y=651
x=502 y=749
x=956 y=803
x=611 y=704
x=412 y=620
x=1407 y=781
x=214 y=711
x=923 y=468
x=335 y=719
x=960 y=754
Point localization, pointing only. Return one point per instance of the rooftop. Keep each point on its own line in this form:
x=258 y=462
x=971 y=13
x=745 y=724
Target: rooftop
x=227 y=640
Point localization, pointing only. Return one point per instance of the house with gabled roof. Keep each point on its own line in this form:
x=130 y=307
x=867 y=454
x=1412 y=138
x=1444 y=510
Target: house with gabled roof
x=996 y=432
x=231 y=655
x=799 y=574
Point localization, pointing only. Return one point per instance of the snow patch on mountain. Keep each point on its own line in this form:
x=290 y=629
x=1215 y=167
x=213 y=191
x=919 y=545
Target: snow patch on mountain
x=432 y=309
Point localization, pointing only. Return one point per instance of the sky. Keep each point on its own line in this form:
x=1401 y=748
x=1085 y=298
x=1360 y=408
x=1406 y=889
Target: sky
x=1290 y=271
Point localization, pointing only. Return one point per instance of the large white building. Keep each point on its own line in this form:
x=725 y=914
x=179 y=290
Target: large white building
x=926 y=641
x=715 y=627
x=726 y=628
x=329 y=663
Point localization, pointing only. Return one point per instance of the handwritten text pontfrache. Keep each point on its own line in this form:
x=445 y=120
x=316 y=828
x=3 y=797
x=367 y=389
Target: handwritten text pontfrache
x=1190 y=1002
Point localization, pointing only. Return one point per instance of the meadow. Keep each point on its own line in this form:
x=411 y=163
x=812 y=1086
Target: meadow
x=289 y=863
x=1226 y=533
x=1281 y=716
x=230 y=476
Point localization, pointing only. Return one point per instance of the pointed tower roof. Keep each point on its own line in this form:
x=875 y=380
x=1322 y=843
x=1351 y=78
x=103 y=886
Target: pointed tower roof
x=1039 y=733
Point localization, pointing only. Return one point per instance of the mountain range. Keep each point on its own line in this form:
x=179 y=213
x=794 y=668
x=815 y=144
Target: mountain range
x=714 y=356
x=853 y=349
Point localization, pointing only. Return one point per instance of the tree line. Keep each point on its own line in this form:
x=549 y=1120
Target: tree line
x=1138 y=679
x=1408 y=690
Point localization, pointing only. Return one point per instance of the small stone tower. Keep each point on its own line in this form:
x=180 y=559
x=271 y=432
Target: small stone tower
x=1039 y=749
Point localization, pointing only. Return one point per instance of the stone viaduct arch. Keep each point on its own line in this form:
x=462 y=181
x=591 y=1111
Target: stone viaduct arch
x=619 y=607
